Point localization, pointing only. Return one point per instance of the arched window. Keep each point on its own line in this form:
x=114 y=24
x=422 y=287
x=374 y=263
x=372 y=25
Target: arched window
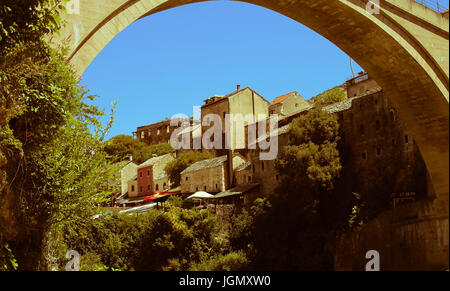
x=164 y=185
x=157 y=187
x=392 y=113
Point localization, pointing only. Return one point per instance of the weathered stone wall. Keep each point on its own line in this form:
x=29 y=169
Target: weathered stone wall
x=128 y=173
x=410 y=237
x=210 y=180
x=380 y=157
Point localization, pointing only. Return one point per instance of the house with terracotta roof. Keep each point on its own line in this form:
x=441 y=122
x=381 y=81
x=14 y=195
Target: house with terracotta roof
x=288 y=104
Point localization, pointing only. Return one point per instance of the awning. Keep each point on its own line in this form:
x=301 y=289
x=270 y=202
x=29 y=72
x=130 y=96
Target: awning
x=239 y=190
x=200 y=195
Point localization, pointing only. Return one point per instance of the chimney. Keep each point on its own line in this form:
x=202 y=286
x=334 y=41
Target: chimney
x=238 y=87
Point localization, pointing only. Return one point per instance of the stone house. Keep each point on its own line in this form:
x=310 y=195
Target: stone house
x=133 y=188
x=150 y=174
x=158 y=132
x=210 y=175
x=127 y=173
x=361 y=85
x=288 y=104
x=243 y=102
x=379 y=154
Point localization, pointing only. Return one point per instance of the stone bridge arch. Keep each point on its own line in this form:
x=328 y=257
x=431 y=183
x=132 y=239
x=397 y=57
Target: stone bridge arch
x=404 y=47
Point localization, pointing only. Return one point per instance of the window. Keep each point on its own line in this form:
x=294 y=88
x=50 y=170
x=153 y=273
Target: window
x=140 y=189
x=140 y=174
x=132 y=188
x=377 y=125
x=296 y=104
x=165 y=185
x=149 y=132
x=168 y=129
x=378 y=151
x=406 y=139
x=277 y=177
x=148 y=187
x=148 y=172
x=392 y=113
x=205 y=188
x=158 y=132
x=217 y=186
x=249 y=178
x=364 y=155
x=361 y=129
x=142 y=134
x=187 y=178
x=157 y=187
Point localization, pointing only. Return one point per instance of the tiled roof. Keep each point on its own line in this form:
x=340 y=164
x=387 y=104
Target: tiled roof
x=280 y=99
x=238 y=190
x=234 y=93
x=339 y=106
x=206 y=164
x=162 y=176
x=153 y=161
x=279 y=131
x=243 y=166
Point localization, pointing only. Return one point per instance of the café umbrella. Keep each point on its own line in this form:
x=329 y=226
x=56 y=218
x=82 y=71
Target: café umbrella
x=200 y=195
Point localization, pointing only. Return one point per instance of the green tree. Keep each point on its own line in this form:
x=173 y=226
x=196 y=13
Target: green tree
x=121 y=147
x=54 y=169
x=309 y=168
x=337 y=94
x=183 y=161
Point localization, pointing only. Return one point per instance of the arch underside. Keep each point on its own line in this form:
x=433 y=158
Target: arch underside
x=404 y=48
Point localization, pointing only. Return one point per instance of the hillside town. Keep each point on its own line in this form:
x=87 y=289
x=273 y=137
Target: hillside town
x=372 y=135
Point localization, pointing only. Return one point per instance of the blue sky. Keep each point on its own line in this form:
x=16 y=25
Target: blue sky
x=166 y=63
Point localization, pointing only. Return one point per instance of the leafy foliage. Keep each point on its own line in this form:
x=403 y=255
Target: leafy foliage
x=183 y=161
x=298 y=217
x=54 y=170
x=331 y=96
x=170 y=239
x=121 y=147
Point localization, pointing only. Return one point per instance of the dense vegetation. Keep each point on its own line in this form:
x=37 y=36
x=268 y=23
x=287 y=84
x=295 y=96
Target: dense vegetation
x=53 y=167
x=121 y=147
x=170 y=239
x=331 y=96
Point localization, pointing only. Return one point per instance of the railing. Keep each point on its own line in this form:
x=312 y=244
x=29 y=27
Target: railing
x=433 y=4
